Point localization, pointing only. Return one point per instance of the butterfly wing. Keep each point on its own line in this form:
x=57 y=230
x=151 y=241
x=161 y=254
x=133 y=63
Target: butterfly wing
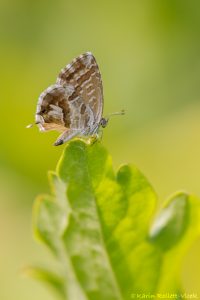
x=75 y=102
x=53 y=112
x=86 y=102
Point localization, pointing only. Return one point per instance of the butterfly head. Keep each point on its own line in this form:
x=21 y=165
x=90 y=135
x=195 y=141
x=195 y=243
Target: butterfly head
x=104 y=122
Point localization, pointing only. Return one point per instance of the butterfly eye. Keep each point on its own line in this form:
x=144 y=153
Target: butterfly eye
x=103 y=122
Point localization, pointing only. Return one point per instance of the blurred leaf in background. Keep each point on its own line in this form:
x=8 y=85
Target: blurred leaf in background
x=148 y=54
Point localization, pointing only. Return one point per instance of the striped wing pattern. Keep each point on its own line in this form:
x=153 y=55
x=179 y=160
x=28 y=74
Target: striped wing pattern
x=75 y=102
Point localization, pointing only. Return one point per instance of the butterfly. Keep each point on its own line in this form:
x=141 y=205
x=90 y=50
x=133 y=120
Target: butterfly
x=73 y=105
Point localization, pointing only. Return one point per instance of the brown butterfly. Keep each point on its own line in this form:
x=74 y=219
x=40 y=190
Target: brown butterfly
x=74 y=104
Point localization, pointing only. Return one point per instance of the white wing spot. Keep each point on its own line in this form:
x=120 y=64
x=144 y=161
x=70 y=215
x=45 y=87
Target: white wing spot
x=91 y=92
x=93 y=98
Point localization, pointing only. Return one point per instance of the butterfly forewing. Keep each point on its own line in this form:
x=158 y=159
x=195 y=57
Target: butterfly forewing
x=86 y=102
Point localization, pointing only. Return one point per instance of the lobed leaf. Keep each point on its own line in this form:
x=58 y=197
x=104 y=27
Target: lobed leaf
x=99 y=226
x=55 y=282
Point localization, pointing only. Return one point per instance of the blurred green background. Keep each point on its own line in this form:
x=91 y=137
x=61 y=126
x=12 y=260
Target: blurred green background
x=149 y=56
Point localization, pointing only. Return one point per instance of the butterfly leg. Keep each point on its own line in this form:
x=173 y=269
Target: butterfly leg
x=96 y=135
x=66 y=136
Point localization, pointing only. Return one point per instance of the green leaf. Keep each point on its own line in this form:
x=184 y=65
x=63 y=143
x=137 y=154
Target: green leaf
x=99 y=226
x=174 y=230
x=49 y=222
x=171 y=223
x=51 y=279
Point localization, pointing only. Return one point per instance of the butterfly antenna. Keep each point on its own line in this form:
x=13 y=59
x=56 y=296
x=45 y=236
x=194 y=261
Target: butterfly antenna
x=118 y=113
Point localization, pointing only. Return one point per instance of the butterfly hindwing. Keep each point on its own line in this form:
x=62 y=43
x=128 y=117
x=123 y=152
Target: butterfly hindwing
x=53 y=112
